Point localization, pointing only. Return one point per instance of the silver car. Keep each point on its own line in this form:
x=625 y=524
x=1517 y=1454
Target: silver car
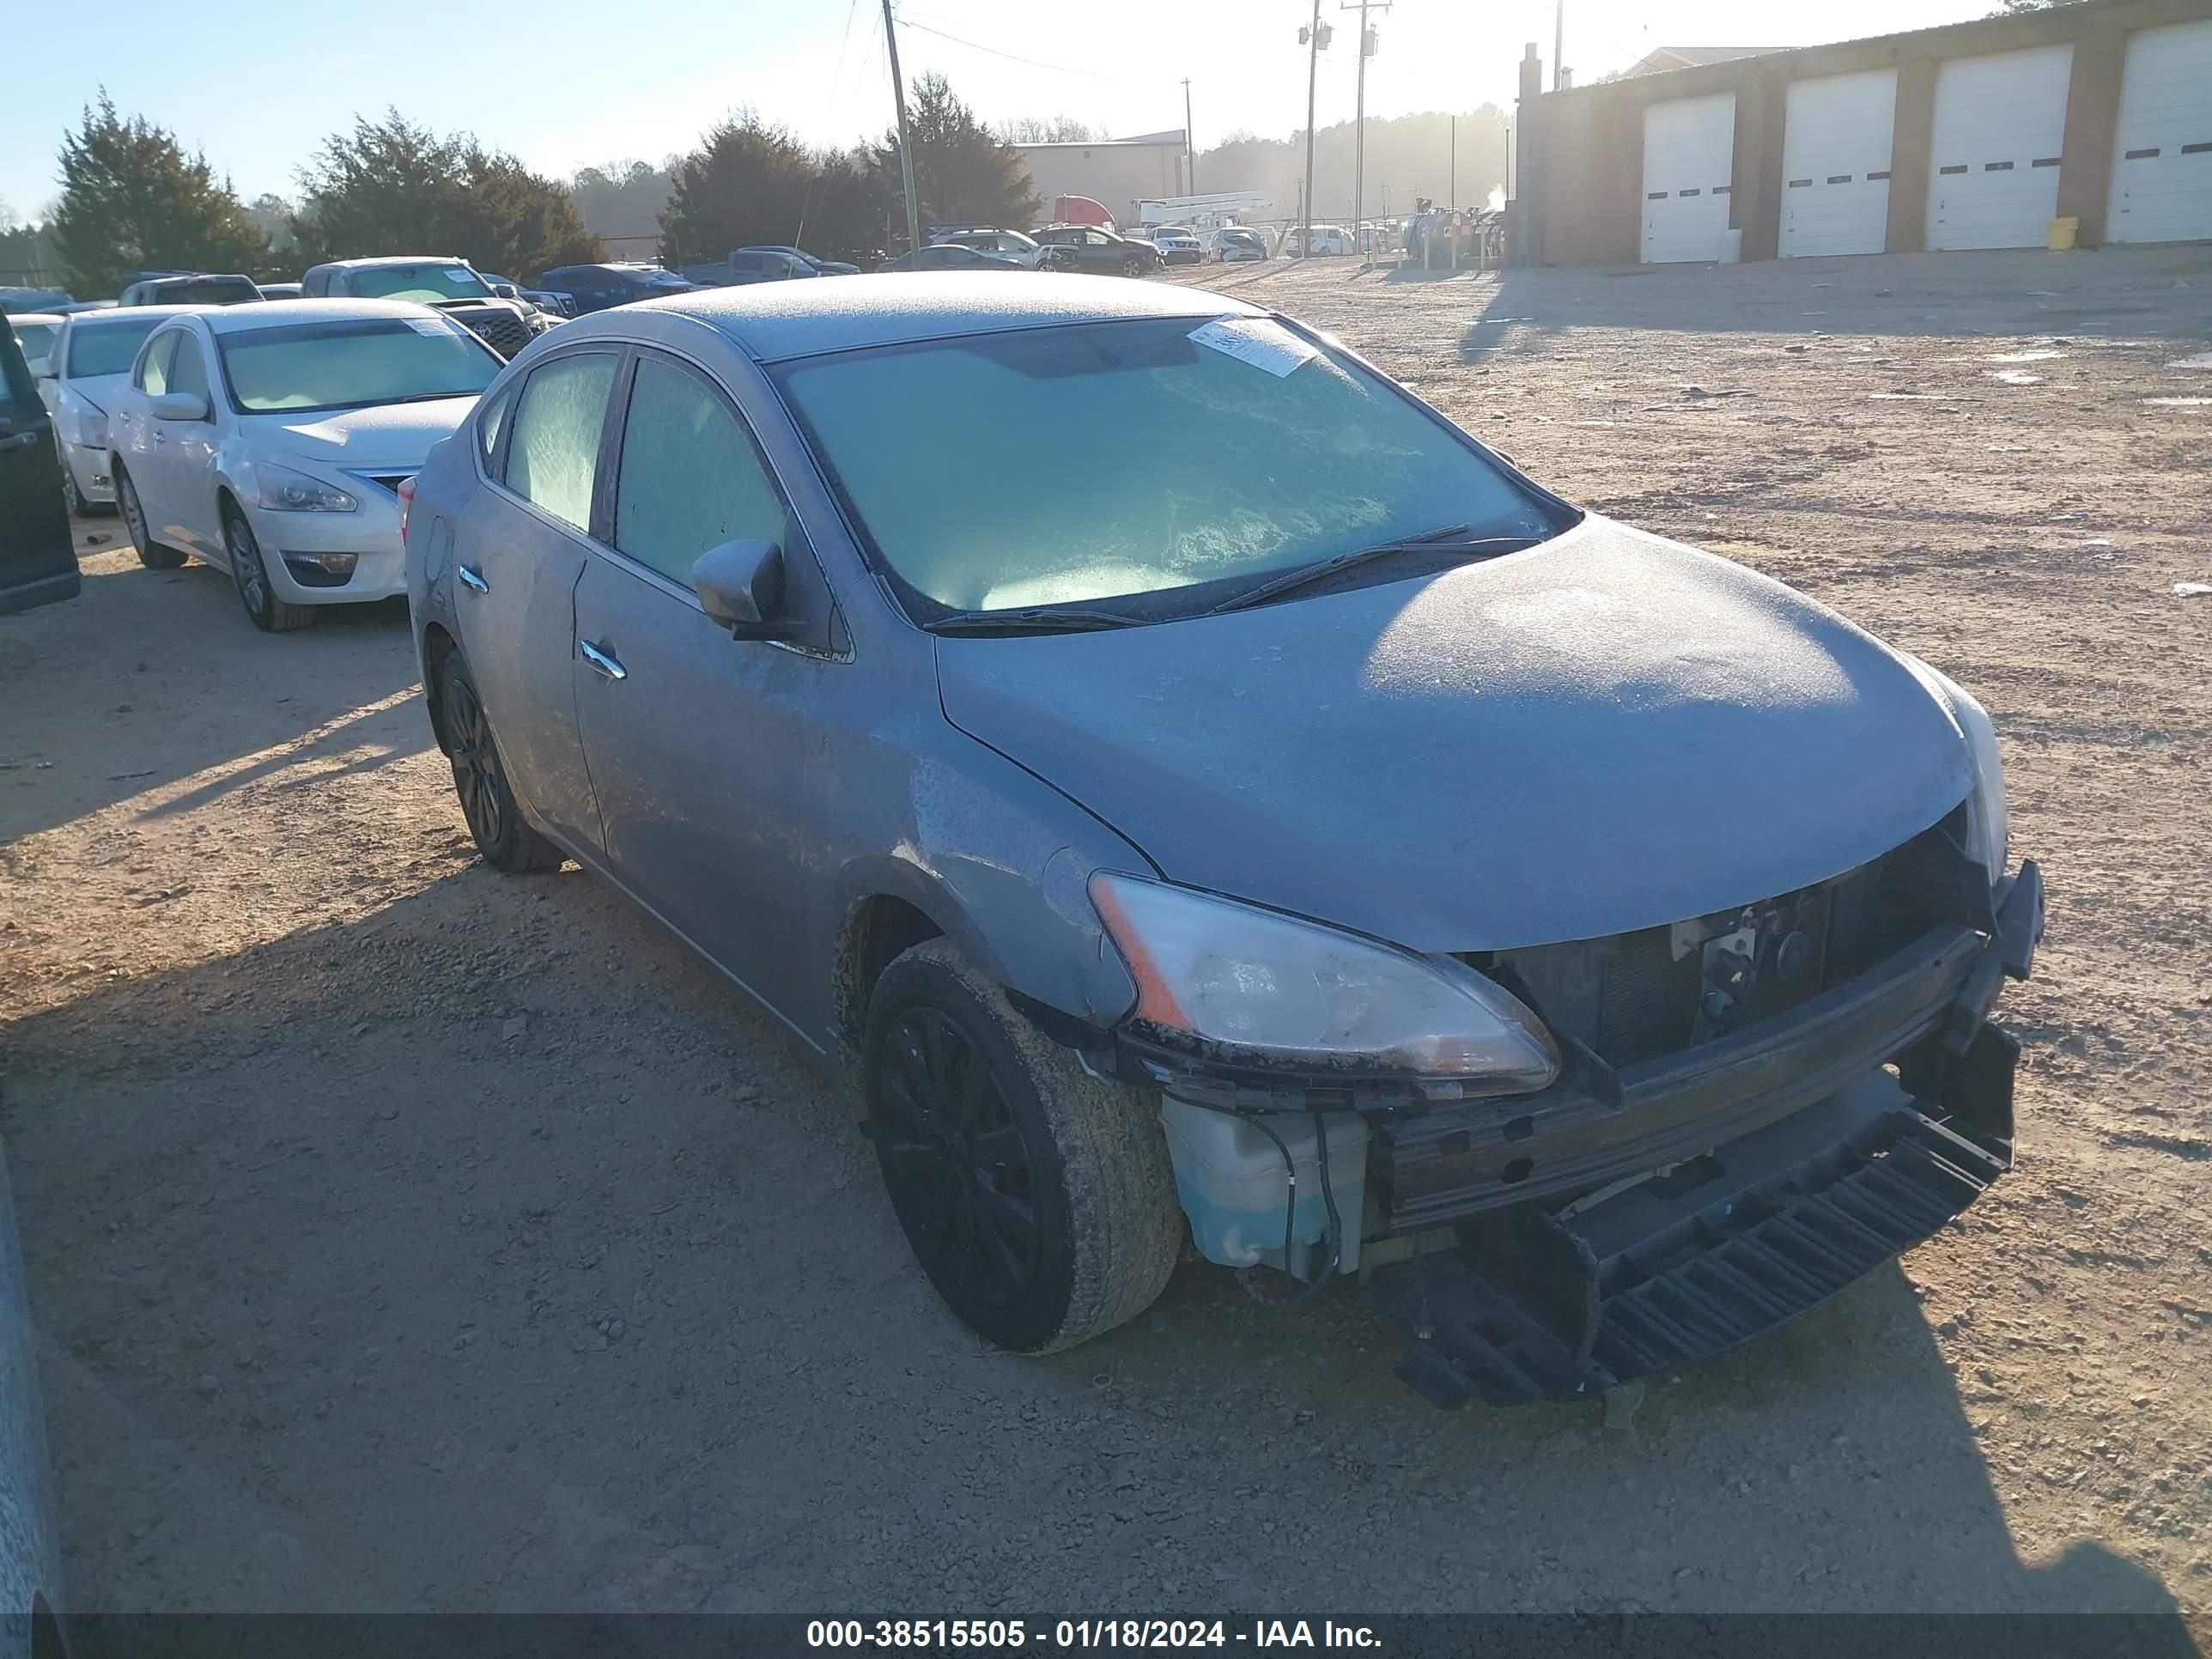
x=1194 y=790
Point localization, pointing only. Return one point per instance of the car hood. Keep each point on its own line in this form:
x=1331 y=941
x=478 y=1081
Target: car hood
x=1606 y=732
x=98 y=390
x=392 y=434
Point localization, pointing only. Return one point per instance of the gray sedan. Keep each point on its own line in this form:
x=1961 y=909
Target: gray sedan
x=1193 y=790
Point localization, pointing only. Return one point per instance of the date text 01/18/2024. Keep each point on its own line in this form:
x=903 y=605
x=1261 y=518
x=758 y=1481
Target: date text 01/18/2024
x=1010 y=1633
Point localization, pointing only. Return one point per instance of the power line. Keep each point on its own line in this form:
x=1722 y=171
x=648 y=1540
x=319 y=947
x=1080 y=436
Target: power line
x=1011 y=56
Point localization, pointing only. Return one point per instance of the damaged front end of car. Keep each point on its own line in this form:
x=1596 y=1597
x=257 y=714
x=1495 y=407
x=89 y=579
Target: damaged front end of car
x=1563 y=1168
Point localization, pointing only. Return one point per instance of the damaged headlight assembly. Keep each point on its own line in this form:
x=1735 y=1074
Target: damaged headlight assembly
x=1989 y=828
x=1242 y=986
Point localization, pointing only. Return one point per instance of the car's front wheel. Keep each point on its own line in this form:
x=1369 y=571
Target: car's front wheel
x=154 y=555
x=251 y=577
x=501 y=834
x=1039 y=1198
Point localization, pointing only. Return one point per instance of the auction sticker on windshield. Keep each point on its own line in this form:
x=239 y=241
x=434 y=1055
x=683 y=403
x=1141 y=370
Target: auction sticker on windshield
x=1257 y=341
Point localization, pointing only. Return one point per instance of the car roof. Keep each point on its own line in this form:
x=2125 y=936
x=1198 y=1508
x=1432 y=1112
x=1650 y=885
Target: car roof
x=300 y=313
x=116 y=316
x=394 y=259
x=772 y=321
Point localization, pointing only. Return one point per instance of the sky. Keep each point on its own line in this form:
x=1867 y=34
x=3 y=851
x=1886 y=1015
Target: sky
x=570 y=83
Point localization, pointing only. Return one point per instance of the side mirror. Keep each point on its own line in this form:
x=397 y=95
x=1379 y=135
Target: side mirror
x=177 y=406
x=507 y=290
x=740 y=587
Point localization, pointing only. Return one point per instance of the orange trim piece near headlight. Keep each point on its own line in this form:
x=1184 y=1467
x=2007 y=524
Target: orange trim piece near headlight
x=1155 y=1001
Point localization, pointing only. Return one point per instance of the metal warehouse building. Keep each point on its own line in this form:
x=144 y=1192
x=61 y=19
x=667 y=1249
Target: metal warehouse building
x=1974 y=136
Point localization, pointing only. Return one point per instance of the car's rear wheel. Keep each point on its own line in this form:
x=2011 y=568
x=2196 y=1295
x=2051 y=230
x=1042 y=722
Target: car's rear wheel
x=501 y=834
x=1038 y=1199
x=154 y=555
x=251 y=577
x=1133 y=266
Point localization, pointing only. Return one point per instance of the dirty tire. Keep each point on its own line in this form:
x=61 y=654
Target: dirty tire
x=1134 y=265
x=249 y=575
x=495 y=823
x=1092 y=1171
x=154 y=555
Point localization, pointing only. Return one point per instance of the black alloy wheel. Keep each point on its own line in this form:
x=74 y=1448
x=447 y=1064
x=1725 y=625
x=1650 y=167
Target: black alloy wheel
x=508 y=842
x=959 y=1174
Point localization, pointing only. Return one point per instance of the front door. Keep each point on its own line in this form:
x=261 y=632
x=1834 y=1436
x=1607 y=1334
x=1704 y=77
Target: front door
x=695 y=740
x=183 y=457
x=517 y=550
x=38 y=561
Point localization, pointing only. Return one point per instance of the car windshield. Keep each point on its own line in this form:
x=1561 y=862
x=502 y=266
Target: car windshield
x=107 y=348
x=36 y=339
x=237 y=291
x=425 y=284
x=353 y=364
x=1063 y=466
x=1243 y=238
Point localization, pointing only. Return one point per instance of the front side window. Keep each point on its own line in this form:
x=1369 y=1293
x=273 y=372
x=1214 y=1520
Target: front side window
x=154 y=373
x=553 y=455
x=426 y=283
x=1136 y=458
x=188 y=370
x=105 y=347
x=690 y=477
x=354 y=363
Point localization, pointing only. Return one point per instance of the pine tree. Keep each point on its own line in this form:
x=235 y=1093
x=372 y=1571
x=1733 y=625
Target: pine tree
x=963 y=173
x=132 y=200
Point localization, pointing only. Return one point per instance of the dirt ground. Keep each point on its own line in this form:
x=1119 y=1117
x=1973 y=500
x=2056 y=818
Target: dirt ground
x=404 y=1236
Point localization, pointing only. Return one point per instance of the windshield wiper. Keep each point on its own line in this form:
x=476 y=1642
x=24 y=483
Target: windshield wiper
x=1431 y=541
x=1037 y=619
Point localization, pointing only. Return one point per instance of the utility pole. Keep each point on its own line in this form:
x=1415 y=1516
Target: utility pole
x=1359 y=124
x=1454 y=201
x=1189 y=142
x=906 y=144
x=1558 y=40
x=1313 y=40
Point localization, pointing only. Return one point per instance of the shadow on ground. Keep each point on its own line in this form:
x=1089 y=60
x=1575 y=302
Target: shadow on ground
x=205 y=689
x=489 y=1254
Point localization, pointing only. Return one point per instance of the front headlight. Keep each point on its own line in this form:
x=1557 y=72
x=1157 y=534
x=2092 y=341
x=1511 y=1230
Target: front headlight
x=1989 y=820
x=1989 y=827
x=281 y=489
x=1269 y=988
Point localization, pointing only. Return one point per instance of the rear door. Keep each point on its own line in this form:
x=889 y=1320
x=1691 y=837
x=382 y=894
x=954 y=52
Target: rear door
x=519 y=547
x=37 y=560
x=696 y=741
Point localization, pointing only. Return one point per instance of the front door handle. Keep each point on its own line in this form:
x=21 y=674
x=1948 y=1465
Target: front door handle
x=472 y=578
x=599 y=659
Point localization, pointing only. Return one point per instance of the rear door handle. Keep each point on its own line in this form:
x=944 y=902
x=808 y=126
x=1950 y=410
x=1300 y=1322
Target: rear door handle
x=599 y=659
x=471 y=579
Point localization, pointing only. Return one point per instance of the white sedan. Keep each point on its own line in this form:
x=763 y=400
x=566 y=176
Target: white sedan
x=89 y=361
x=272 y=440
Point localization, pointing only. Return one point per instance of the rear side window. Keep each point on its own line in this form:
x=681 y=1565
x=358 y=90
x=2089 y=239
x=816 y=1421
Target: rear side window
x=153 y=376
x=553 y=456
x=491 y=423
x=690 y=479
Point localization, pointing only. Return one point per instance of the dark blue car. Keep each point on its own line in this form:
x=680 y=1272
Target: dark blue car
x=595 y=288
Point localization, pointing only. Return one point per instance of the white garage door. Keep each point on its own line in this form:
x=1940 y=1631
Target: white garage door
x=1835 y=163
x=1999 y=123
x=1689 y=166
x=2162 y=155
